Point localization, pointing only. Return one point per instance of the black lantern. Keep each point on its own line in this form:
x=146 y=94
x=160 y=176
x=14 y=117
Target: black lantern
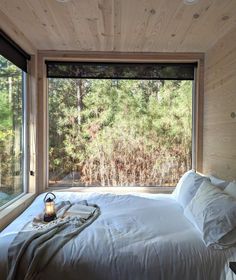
x=49 y=211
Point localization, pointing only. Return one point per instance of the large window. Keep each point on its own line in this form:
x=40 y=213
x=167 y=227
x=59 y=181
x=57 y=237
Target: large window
x=13 y=140
x=119 y=132
x=11 y=131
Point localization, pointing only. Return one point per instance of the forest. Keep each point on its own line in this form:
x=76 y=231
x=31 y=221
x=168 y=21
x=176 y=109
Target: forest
x=11 y=130
x=105 y=132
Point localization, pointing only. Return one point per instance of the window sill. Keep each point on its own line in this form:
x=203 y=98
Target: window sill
x=115 y=190
x=9 y=213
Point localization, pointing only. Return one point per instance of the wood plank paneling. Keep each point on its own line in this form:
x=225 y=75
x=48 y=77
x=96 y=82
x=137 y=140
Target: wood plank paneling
x=42 y=128
x=121 y=25
x=219 y=142
x=32 y=122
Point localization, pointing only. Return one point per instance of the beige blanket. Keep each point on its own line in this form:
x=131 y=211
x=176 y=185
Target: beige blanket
x=38 y=242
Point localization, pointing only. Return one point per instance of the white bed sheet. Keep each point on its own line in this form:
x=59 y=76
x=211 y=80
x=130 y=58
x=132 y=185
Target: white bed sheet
x=135 y=237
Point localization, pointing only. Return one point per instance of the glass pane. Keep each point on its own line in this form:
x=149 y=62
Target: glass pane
x=11 y=131
x=119 y=132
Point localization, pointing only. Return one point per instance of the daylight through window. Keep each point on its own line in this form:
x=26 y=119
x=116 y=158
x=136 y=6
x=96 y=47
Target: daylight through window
x=119 y=132
x=11 y=131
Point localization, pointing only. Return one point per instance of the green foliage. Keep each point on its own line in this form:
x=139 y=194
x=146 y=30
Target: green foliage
x=120 y=132
x=11 y=120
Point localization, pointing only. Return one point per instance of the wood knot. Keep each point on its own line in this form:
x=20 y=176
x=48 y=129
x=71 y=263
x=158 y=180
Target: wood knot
x=225 y=18
x=152 y=11
x=196 y=15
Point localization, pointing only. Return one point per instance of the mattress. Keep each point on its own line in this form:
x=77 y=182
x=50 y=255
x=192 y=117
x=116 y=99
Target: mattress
x=135 y=237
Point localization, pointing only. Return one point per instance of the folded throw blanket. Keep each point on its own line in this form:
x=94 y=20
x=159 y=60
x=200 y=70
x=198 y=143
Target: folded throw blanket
x=34 y=246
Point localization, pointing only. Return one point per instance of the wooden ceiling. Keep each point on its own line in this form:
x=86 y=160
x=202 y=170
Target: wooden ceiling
x=122 y=25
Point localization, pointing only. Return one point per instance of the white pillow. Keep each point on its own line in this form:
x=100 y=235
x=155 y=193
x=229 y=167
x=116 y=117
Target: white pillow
x=187 y=187
x=213 y=212
x=218 y=182
x=179 y=184
x=231 y=189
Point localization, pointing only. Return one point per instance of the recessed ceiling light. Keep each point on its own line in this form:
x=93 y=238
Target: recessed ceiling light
x=190 y=2
x=62 y=1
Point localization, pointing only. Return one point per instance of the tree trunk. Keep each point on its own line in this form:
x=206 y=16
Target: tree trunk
x=79 y=92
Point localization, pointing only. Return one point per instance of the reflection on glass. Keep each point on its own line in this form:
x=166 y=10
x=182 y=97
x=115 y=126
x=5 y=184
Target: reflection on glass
x=11 y=131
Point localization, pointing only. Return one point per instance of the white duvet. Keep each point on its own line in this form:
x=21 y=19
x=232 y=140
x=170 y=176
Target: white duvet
x=135 y=237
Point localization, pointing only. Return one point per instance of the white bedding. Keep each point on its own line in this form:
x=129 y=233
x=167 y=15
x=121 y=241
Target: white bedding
x=135 y=237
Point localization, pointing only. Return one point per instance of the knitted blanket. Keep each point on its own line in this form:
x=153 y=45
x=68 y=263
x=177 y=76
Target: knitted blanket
x=37 y=243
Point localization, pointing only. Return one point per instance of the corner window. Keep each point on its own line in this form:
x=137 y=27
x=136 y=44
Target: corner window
x=13 y=140
x=11 y=131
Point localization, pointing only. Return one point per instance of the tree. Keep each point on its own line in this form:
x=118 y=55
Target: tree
x=120 y=132
x=11 y=127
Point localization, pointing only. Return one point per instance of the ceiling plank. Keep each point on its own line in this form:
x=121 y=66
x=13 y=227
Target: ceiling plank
x=15 y=34
x=121 y=25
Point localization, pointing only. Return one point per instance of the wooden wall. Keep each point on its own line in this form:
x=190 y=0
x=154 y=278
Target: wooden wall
x=219 y=141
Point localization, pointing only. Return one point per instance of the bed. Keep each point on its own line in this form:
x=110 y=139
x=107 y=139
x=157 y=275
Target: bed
x=135 y=237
